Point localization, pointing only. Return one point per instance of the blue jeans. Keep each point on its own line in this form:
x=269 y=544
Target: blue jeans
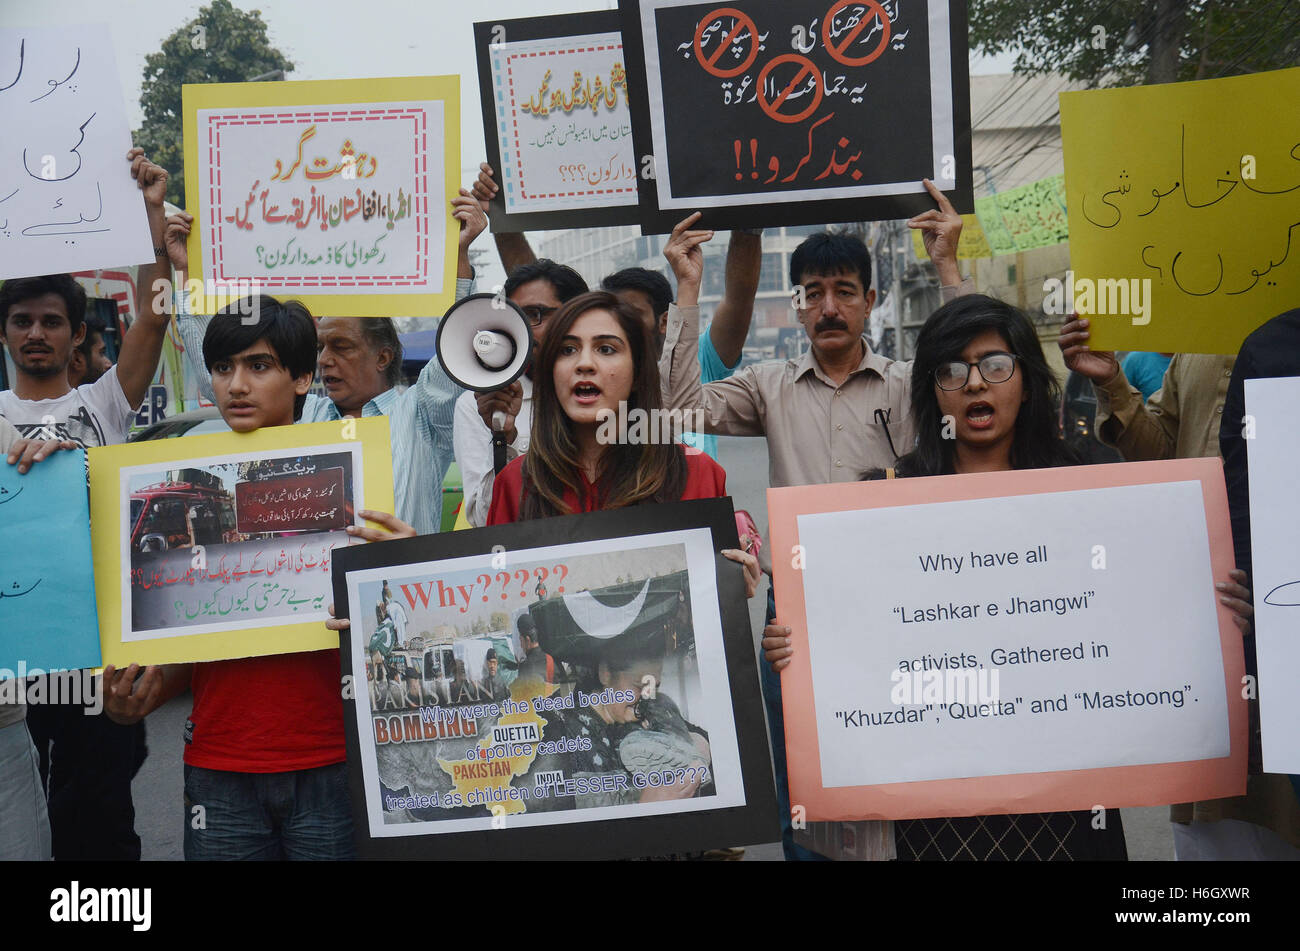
x=302 y=815
x=24 y=823
x=771 y=683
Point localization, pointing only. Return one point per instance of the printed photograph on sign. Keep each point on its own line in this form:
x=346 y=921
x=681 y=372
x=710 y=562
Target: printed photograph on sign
x=560 y=683
x=338 y=200
x=218 y=544
x=545 y=685
x=557 y=120
x=765 y=110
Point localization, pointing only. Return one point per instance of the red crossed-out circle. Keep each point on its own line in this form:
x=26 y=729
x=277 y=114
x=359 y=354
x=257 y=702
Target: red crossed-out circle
x=743 y=22
x=837 y=52
x=772 y=108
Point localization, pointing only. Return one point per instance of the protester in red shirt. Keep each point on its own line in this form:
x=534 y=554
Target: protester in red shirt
x=264 y=756
x=597 y=354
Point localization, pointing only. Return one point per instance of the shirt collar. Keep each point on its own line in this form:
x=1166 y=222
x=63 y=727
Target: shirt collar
x=870 y=361
x=377 y=406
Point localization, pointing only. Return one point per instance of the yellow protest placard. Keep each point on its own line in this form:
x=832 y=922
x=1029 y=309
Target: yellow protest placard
x=331 y=192
x=219 y=546
x=972 y=243
x=1184 y=211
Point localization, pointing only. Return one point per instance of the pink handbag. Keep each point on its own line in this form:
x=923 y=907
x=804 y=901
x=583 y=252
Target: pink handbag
x=750 y=539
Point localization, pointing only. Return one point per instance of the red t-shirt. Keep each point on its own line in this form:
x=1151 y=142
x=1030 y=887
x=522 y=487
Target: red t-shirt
x=267 y=714
x=705 y=479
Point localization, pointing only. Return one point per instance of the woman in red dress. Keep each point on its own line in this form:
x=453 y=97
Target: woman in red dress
x=597 y=353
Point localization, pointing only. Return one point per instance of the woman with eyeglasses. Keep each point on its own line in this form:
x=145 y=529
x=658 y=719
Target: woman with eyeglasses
x=985 y=400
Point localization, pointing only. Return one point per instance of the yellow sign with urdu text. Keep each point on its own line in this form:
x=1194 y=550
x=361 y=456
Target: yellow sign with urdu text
x=219 y=546
x=1184 y=211
x=331 y=192
x=971 y=244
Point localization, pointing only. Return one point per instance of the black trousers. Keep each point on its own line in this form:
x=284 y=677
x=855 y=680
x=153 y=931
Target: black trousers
x=87 y=763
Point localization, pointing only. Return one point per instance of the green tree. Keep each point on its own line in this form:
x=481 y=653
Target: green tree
x=1125 y=42
x=500 y=621
x=221 y=45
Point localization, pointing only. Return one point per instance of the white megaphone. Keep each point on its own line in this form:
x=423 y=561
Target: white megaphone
x=485 y=343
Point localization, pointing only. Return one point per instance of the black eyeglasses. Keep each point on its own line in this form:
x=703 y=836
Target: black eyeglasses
x=536 y=313
x=994 y=368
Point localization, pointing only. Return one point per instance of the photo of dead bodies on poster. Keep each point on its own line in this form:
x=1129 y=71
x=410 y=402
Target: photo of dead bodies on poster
x=767 y=112
x=529 y=689
x=266 y=527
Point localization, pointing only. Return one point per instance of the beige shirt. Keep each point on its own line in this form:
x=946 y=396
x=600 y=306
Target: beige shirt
x=817 y=432
x=1180 y=421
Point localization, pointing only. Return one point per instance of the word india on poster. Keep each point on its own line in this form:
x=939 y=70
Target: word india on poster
x=338 y=199
x=559 y=113
x=815 y=111
x=578 y=682
x=996 y=636
x=220 y=545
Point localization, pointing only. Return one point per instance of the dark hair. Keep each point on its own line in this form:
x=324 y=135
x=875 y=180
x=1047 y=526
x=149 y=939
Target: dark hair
x=567 y=282
x=18 y=289
x=94 y=328
x=1037 y=443
x=827 y=253
x=380 y=332
x=655 y=472
x=651 y=283
x=287 y=327
x=527 y=627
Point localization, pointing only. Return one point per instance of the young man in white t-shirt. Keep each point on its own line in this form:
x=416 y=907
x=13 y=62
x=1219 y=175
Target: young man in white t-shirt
x=42 y=319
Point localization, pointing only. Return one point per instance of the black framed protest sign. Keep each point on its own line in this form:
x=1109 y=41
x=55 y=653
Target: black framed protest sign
x=580 y=687
x=776 y=112
x=557 y=121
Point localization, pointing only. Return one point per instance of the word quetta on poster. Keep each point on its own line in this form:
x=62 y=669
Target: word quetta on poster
x=1184 y=231
x=47 y=591
x=557 y=122
x=67 y=199
x=221 y=546
x=1274 y=451
x=576 y=674
x=768 y=112
x=995 y=651
x=333 y=192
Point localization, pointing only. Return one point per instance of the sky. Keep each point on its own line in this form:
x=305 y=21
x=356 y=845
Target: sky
x=331 y=39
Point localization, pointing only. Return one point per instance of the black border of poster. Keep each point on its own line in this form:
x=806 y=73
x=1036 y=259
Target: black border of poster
x=800 y=211
x=541 y=28
x=754 y=822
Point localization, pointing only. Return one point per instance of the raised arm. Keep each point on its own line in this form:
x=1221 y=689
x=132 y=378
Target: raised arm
x=731 y=320
x=512 y=246
x=143 y=344
x=190 y=327
x=730 y=407
x=941 y=232
x=1141 y=430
